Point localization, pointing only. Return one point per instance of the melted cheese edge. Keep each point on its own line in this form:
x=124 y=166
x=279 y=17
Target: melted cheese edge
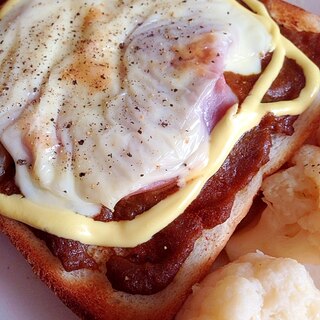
x=68 y=224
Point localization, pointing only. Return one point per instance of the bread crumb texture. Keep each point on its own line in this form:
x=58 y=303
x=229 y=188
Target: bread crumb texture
x=255 y=286
x=290 y=225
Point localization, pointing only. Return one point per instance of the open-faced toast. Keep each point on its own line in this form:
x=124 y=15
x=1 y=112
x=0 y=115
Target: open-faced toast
x=87 y=290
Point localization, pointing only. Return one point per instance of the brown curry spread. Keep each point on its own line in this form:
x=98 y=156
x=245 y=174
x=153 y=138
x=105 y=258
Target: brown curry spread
x=150 y=267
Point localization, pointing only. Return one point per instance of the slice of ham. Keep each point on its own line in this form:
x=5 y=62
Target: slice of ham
x=219 y=100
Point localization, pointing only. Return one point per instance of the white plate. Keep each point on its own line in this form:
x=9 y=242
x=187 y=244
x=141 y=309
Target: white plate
x=22 y=295
x=310 y=5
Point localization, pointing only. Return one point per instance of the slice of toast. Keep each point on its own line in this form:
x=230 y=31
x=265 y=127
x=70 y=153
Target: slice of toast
x=89 y=293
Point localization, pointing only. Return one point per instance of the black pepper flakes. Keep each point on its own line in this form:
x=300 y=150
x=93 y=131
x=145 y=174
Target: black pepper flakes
x=21 y=162
x=69 y=124
x=163 y=124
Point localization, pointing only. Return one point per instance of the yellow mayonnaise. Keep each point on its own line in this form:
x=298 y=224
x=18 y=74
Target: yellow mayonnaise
x=236 y=122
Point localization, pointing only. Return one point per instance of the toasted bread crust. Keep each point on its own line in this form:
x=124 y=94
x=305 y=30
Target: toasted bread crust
x=292 y=17
x=89 y=294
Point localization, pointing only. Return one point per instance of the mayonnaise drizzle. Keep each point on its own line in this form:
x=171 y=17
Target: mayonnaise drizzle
x=67 y=224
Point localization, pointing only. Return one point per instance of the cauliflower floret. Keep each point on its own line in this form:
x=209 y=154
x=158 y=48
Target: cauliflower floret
x=290 y=225
x=255 y=287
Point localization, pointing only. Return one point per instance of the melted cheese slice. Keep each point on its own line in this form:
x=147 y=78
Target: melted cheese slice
x=106 y=98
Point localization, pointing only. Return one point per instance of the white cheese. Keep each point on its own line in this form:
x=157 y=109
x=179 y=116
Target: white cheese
x=93 y=106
